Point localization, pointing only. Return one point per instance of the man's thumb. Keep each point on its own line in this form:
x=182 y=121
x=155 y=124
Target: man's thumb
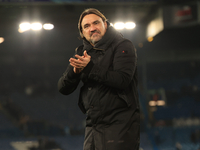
x=85 y=54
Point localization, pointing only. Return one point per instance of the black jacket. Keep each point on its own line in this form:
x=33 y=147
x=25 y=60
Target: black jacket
x=109 y=96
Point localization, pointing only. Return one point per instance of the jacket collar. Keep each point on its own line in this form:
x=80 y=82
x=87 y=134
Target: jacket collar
x=106 y=40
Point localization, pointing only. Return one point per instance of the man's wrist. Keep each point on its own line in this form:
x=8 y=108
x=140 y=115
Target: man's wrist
x=72 y=74
x=88 y=68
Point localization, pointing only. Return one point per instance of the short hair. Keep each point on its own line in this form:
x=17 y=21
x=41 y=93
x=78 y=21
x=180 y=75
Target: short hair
x=87 y=12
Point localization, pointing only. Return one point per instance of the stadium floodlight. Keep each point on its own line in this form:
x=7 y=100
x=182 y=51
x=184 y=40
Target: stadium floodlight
x=1 y=40
x=160 y=102
x=152 y=103
x=24 y=26
x=157 y=103
x=130 y=25
x=119 y=25
x=48 y=26
x=36 y=26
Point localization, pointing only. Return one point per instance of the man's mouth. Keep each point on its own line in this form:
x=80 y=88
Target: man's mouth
x=95 y=33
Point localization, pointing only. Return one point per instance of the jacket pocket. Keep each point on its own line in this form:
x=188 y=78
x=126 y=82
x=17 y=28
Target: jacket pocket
x=124 y=97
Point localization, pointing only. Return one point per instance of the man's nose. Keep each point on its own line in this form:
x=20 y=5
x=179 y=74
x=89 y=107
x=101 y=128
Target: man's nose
x=92 y=28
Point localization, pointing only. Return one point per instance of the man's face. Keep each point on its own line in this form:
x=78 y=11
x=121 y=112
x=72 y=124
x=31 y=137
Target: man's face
x=93 y=28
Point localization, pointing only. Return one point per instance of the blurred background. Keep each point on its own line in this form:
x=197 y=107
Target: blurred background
x=37 y=38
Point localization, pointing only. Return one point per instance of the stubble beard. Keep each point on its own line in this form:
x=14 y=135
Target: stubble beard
x=95 y=39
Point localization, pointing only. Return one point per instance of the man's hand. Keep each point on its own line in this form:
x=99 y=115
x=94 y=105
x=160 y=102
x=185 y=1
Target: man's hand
x=80 y=63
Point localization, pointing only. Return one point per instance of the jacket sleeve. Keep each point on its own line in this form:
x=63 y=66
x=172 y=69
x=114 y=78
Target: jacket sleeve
x=68 y=82
x=124 y=66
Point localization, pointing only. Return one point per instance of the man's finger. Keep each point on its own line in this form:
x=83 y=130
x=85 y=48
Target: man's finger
x=75 y=65
x=85 y=54
x=74 y=60
x=79 y=57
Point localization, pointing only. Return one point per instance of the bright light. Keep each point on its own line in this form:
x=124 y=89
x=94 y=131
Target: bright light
x=24 y=27
x=152 y=103
x=155 y=26
x=1 y=40
x=36 y=26
x=48 y=26
x=158 y=103
x=150 y=39
x=130 y=25
x=127 y=25
x=20 y=30
x=119 y=25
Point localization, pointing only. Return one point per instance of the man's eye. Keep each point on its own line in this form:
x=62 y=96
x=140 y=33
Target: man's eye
x=86 y=26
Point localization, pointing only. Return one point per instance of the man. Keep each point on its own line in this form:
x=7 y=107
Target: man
x=106 y=64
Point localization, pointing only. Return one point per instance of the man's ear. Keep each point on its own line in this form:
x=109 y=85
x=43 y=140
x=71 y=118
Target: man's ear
x=106 y=25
